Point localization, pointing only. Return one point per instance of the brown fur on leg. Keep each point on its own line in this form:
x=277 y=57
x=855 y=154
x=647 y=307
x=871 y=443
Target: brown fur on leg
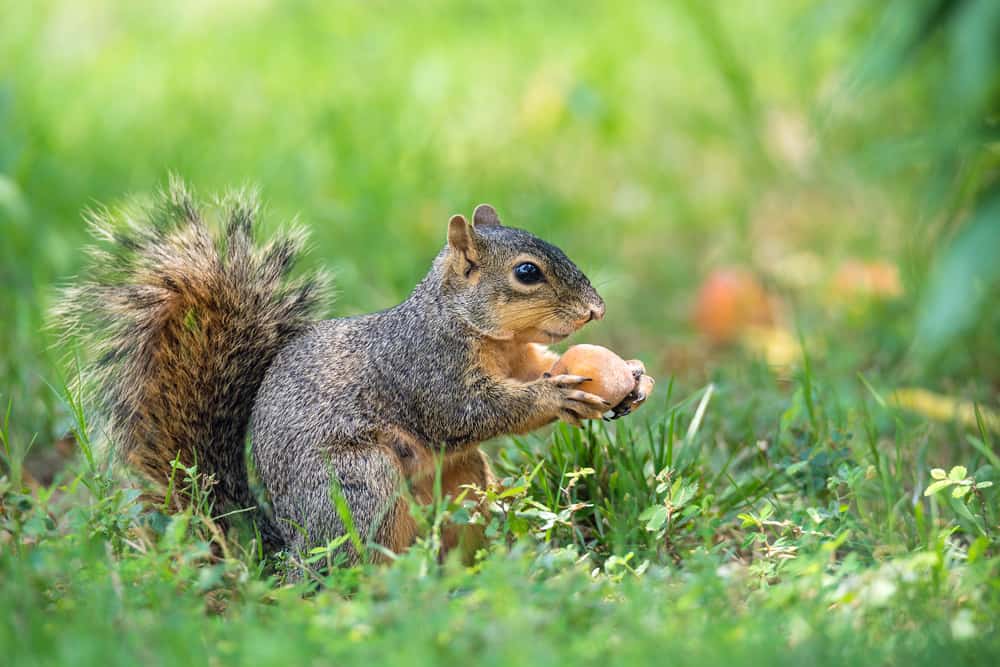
x=417 y=465
x=469 y=467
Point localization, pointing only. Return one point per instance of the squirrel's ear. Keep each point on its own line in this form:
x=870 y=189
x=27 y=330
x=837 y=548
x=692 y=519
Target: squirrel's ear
x=463 y=248
x=485 y=216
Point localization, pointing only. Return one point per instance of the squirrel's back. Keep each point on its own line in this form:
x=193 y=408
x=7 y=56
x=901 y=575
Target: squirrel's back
x=183 y=324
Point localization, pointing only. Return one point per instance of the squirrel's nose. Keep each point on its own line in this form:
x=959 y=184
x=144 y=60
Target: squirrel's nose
x=596 y=312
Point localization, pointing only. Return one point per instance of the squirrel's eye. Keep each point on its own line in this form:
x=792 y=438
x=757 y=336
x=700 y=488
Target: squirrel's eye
x=528 y=273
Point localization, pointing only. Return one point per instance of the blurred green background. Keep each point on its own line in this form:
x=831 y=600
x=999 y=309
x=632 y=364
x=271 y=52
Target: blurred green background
x=803 y=147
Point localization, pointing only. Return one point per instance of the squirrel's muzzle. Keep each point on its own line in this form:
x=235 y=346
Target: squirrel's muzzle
x=596 y=312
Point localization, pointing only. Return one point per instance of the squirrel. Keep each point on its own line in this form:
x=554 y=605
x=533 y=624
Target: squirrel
x=202 y=337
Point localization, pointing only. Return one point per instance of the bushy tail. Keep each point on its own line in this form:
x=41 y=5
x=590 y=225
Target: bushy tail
x=183 y=324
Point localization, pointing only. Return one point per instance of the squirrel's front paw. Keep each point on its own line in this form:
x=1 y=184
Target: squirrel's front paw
x=643 y=388
x=573 y=405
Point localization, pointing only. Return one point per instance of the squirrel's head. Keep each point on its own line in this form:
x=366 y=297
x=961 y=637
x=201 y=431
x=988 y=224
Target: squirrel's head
x=511 y=285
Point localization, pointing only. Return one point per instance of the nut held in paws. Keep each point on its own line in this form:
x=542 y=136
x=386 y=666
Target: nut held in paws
x=611 y=377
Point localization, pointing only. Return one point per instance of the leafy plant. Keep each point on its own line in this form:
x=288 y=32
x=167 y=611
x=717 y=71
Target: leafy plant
x=957 y=479
x=662 y=519
x=963 y=486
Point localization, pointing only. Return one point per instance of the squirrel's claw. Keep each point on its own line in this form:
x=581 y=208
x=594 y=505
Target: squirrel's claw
x=638 y=368
x=586 y=406
x=574 y=404
x=589 y=399
x=566 y=380
x=643 y=388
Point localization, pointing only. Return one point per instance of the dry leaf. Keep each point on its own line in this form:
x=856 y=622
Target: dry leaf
x=944 y=408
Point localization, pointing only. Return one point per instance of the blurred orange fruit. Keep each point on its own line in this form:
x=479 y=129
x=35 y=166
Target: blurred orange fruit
x=728 y=302
x=877 y=279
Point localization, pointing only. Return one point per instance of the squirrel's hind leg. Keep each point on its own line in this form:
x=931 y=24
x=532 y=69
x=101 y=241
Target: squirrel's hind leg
x=370 y=479
x=417 y=465
x=470 y=466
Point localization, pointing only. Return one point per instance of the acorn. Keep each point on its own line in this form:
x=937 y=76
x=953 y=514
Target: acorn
x=610 y=377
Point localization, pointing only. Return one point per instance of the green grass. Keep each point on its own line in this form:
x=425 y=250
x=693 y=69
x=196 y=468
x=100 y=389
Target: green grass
x=811 y=549
x=751 y=512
